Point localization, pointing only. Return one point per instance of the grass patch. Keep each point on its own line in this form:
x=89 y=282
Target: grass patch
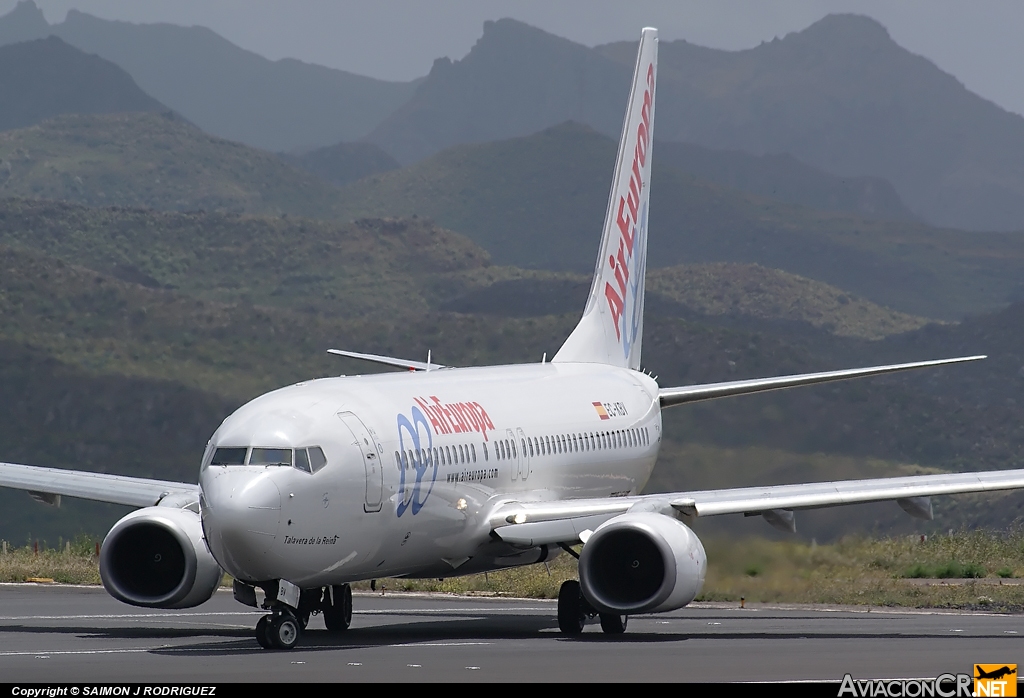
x=852 y=571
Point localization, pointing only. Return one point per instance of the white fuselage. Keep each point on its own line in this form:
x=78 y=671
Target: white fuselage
x=415 y=464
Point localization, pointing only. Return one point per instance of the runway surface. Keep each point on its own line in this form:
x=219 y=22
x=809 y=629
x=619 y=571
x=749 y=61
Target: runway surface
x=76 y=634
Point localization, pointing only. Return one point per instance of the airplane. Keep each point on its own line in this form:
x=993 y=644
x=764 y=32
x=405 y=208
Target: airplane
x=438 y=471
x=995 y=673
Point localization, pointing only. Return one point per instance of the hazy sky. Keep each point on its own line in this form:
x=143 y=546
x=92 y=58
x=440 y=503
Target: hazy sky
x=979 y=42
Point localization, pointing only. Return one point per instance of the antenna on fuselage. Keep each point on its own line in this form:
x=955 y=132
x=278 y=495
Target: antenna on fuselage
x=428 y=359
x=544 y=359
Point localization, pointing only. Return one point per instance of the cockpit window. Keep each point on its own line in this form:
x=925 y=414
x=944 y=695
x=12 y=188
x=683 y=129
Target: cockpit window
x=317 y=459
x=302 y=460
x=271 y=456
x=229 y=456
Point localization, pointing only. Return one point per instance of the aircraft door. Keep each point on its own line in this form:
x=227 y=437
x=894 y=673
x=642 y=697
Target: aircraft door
x=515 y=456
x=371 y=461
x=524 y=454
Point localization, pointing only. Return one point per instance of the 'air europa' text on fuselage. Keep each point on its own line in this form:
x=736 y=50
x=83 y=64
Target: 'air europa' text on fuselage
x=456 y=417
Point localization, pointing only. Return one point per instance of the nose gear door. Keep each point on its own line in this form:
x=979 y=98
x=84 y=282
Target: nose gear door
x=371 y=461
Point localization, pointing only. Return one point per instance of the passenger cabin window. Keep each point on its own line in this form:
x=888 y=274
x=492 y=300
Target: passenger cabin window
x=229 y=456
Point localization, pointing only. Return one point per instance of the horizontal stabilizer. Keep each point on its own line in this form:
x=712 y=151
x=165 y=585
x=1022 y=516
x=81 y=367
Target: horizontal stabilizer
x=710 y=391
x=388 y=360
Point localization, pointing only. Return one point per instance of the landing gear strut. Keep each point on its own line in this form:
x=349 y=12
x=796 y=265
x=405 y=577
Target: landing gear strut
x=574 y=611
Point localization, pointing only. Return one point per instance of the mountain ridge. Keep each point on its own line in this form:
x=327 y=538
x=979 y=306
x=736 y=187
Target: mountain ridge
x=44 y=78
x=211 y=81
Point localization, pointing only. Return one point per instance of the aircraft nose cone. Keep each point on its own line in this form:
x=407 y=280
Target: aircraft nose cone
x=241 y=516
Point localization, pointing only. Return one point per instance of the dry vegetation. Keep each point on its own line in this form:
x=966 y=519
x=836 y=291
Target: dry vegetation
x=980 y=569
x=71 y=562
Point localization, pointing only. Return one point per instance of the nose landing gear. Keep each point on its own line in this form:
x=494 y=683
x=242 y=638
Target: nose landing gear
x=282 y=628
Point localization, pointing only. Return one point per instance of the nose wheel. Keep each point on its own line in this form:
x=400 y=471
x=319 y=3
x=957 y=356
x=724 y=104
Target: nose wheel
x=279 y=631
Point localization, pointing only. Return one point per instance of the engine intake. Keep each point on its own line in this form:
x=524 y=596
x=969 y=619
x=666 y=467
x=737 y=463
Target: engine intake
x=642 y=562
x=157 y=557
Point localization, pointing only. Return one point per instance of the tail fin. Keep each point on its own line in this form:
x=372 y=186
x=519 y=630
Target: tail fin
x=611 y=329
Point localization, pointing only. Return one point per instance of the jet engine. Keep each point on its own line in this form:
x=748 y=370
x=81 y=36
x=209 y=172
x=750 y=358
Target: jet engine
x=157 y=557
x=641 y=562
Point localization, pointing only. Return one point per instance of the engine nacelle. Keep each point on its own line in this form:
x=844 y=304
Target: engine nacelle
x=641 y=562
x=157 y=557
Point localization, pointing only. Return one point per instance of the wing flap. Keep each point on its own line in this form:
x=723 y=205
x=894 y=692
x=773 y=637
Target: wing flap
x=710 y=391
x=101 y=487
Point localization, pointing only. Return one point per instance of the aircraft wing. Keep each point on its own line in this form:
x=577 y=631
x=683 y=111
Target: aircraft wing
x=709 y=391
x=101 y=487
x=388 y=360
x=567 y=521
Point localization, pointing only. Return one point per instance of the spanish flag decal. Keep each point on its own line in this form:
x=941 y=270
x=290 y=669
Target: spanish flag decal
x=601 y=412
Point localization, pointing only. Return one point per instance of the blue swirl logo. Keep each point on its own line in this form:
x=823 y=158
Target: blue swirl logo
x=416 y=441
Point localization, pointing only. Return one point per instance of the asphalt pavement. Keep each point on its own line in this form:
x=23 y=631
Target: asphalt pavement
x=77 y=634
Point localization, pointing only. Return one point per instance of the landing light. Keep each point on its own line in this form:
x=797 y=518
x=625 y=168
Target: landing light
x=461 y=504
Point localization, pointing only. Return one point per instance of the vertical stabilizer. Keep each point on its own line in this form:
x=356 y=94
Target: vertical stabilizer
x=611 y=329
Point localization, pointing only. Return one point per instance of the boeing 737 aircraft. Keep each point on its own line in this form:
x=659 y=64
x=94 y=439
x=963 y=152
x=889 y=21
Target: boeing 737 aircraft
x=440 y=471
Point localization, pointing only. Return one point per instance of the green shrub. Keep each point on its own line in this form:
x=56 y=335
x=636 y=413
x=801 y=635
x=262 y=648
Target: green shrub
x=918 y=571
x=956 y=570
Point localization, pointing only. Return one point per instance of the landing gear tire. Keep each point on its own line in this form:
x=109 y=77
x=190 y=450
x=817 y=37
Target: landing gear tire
x=284 y=631
x=572 y=613
x=262 y=635
x=337 y=608
x=613 y=623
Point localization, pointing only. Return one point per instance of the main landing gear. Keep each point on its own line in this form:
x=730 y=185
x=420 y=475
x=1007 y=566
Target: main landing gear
x=336 y=606
x=282 y=628
x=574 y=611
